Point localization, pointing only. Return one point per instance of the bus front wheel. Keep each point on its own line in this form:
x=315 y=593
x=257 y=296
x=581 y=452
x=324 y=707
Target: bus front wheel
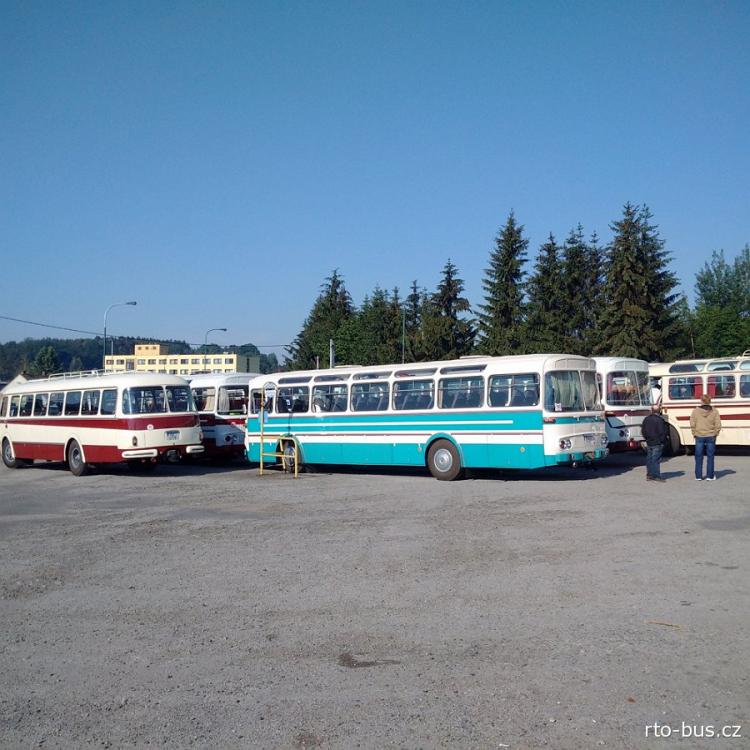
x=8 y=458
x=443 y=460
x=78 y=467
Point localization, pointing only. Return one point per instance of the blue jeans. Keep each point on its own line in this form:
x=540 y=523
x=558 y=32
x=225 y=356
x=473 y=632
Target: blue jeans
x=705 y=445
x=653 y=456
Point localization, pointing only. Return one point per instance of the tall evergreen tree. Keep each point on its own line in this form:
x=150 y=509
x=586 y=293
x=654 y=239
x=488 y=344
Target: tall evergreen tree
x=331 y=310
x=501 y=316
x=661 y=298
x=446 y=333
x=575 y=291
x=413 y=321
x=545 y=322
x=638 y=299
x=372 y=336
x=594 y=293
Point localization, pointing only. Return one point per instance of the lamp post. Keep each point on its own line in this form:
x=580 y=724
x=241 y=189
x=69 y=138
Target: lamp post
x=205 y=342
x=106 y=312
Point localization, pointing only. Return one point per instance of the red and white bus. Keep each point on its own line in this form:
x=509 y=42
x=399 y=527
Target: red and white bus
x=85 y=419
x=626 y=395
x=725 y=379
x=221 y=402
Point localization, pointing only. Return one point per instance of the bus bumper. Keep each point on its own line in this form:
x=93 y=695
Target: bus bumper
x=143 y=453
x=582 y=458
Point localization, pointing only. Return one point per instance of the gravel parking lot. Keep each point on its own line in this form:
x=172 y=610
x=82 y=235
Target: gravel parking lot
x=210 y=607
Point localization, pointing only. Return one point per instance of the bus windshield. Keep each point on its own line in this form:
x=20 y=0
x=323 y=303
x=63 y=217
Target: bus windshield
x=628 y=388
x=570 y=390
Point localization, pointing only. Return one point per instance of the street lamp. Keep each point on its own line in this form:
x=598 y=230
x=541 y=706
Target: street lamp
x=116 y=304
x=205 y=343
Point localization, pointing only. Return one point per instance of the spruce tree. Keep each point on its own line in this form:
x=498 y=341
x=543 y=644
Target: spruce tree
x=661 y=300
x=373 y=335
x=594 y=294
x=413 y=321
x=331 y=310
x=575 y=291
x=501 y=316
x=446 y=334
x=545 y=329
x=627 y=326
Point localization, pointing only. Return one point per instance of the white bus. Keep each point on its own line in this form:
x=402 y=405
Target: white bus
x=726 y=380
x=626 y=395
x=221 y=402
x=87 y=419
x=519 y=412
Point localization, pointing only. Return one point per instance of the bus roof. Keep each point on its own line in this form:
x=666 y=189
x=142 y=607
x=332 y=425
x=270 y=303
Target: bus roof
x=92 y=380
x=514 y=363
x=208 y=379
x=620 y=363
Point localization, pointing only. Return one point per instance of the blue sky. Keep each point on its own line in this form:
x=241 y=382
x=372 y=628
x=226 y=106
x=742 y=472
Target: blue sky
x=215 y=161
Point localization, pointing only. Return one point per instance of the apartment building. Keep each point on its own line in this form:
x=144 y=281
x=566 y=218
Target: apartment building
x=156 y=358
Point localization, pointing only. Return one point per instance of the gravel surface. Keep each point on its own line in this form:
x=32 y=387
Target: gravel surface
x=210 y=607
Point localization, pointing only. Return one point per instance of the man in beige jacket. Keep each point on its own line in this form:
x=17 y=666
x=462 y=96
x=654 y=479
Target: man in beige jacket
x=705 y=425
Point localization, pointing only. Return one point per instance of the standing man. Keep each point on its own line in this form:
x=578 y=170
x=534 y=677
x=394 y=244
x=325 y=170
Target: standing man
x=705 y=425
x=654 y=430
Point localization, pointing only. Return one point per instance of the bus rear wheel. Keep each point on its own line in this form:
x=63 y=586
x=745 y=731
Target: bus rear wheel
x=443 y=461
x=8 y=458
x=78 y=467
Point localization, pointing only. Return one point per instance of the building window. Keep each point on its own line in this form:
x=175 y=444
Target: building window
x=228 y=360
x=141 y=361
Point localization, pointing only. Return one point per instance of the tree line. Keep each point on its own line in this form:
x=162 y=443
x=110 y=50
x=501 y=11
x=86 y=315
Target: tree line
x=46 y=356
x=579 y=297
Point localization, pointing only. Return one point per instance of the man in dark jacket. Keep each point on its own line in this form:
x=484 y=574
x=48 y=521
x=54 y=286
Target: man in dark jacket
x=654 y=431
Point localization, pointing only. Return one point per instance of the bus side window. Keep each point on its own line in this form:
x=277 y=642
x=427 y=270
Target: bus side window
x=744 y=385
x=55 y=404
x=3 y=406
x=109 y=401
x=72 y=403
x=14 y=406
x=26 y=404
x=40 y=405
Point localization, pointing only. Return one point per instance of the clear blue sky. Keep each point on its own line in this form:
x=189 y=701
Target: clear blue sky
x=215 y=161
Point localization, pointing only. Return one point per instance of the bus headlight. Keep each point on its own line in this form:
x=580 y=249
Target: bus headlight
x=565 y=444
x=134 y=441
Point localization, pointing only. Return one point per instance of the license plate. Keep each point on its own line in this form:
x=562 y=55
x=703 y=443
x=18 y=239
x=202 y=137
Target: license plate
x=172 y=435
x=588 y=438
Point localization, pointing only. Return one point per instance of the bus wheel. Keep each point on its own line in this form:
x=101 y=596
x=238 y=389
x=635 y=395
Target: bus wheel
x=443 y=460
x=78 y=467
x=288 y=459
x=675 y=444
x=8 y=458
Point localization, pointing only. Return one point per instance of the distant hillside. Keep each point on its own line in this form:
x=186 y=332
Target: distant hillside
x=86 y=354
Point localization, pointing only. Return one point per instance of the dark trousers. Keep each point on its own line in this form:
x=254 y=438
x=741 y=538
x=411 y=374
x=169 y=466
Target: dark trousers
x=707 y=445
x=653 y=456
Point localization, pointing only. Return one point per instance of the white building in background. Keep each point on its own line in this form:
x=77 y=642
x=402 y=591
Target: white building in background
x=156 y=358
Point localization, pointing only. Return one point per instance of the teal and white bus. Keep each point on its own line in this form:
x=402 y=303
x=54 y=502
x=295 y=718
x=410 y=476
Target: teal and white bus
x=520 y=412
